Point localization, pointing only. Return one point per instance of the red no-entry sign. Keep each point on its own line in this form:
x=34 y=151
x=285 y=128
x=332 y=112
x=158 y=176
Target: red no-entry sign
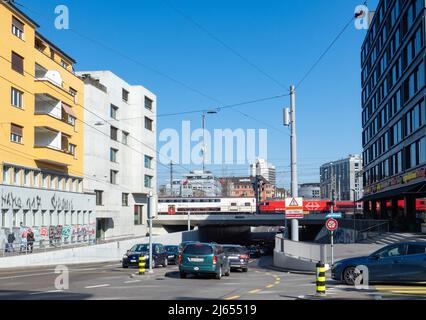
x=331 y=224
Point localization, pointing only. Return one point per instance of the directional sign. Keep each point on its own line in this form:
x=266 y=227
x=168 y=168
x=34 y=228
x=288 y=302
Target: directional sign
x=331 y=224
x=294 y=208
x=334 y=215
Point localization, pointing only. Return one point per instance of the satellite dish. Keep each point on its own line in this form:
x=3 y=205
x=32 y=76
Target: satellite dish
x=55 y=77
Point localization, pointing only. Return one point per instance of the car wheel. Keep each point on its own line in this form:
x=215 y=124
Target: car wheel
x=182 y=275
x=228 y=273
x=166 y=263
x=125 y=266
x=245 y=269
x=219 y=273
x=350 y=275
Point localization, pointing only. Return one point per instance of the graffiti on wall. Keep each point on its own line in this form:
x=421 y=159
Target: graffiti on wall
x=9 y=200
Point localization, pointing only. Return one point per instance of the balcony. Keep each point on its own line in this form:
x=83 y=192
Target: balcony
x=52 y=76
x=52 y=141
x=48 y=105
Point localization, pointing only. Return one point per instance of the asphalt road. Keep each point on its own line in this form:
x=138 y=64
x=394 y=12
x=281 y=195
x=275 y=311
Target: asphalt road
x=110 y=281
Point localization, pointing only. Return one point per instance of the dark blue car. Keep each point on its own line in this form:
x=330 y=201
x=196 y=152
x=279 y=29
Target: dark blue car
x=401 y=262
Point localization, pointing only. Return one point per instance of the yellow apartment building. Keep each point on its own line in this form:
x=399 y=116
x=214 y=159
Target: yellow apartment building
x=41 y=130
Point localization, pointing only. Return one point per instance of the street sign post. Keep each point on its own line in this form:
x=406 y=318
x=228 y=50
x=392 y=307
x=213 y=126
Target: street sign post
x=332 y=226
x=294 y=208
x=334 y=215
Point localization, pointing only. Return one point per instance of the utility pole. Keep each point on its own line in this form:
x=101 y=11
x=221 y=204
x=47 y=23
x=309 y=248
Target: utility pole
x=171 y=179
x=293 y=151
x=204 y=140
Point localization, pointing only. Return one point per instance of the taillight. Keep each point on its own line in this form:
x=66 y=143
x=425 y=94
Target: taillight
x=180 y=259
x=214 y=259
x=243 y=257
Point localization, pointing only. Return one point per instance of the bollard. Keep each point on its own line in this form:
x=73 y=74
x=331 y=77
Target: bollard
x=141 y=265
x=321 y=279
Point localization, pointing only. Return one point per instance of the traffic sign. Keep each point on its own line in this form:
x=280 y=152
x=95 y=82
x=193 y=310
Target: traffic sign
x=334 y=215
x=331 y=224
x=294 y=208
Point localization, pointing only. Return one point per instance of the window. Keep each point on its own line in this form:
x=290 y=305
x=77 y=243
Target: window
x=148 y=124
x=17 y=28
x=71 y=120
x=17 y=63
x=17 y=98
x=148 y=103
x=114 y=112
x=99 y=197
x=416 y=249
x=125 y=95
x=148 y=162
x=16 y=133
x=125 y=138
x=113 y=155
x=44 y=181
x=113 y=177
x=148 y=181
x=64 y=64
x=114 y=133
x=27 y=177
x=17 y=176
x=72 y=149
x=138 y=215
x=125 y=199
x=72 y=92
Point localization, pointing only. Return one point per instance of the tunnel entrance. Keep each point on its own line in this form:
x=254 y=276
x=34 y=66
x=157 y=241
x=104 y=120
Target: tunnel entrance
x=226 y=234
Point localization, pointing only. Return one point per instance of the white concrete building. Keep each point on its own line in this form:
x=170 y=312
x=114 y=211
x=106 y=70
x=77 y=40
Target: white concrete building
x=263 y=168
x=120 y=156
x=342 y=179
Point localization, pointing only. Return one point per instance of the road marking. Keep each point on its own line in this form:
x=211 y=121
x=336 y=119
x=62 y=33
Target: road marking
x=277 y=282
x=97 y=286
x=44 y=292
x=233 y=298
x=132 y=281
x=270 y=286
x=255 y=291
x=28 y=275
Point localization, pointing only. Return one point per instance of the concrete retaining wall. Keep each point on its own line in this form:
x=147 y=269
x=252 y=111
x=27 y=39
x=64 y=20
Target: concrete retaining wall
x=112 y=251
x=281 y=260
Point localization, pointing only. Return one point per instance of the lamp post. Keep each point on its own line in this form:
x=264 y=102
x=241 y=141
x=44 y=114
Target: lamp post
x=203 y=120
x=150 y=230
x=354 y=214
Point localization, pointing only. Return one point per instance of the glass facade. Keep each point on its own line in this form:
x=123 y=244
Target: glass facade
x=393 y=93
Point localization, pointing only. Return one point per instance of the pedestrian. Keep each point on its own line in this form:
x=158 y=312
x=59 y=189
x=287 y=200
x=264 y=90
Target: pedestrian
x=10 y=240
x=30 y=240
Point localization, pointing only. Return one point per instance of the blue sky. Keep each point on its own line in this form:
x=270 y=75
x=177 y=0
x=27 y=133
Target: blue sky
x=281 y=37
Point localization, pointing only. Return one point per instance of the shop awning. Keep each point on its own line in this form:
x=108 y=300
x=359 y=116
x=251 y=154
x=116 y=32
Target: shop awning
x=68 y=110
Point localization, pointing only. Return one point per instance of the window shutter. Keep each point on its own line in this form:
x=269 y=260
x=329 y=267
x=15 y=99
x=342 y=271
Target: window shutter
x=16 y=130
x=18 y=24
x=17 y=63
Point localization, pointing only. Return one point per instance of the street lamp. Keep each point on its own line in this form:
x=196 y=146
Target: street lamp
x=150 y=229
x=203 y=117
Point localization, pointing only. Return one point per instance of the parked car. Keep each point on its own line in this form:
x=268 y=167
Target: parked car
x=204 y=258
x=172 y=253
x=238 y=257
x=254 y=252
x=159 y=255
x=401 y=262
x=184 y=244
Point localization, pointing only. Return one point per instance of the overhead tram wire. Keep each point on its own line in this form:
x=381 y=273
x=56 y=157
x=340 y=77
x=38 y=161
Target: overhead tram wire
x=95 y=114
x=317 y=62
x=136 y=61
x=224 y=44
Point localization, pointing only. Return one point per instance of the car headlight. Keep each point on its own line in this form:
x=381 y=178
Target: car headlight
x=125 y=256
x=146 y=256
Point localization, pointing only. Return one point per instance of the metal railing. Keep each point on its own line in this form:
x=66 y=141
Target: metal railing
x=379 y=228
x=42 y=246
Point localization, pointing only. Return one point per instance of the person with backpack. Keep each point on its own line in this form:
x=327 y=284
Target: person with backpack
x=10 y=240
x=30 y=240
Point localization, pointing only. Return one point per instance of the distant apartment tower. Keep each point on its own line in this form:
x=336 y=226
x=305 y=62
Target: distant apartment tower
x=120 y=144
x=341 y=180
x=243 y=187
x=263 y=168
x=394 y=114
x=310 y=191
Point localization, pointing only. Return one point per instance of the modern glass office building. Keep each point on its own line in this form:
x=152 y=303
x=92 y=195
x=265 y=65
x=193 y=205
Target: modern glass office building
x=394 y=114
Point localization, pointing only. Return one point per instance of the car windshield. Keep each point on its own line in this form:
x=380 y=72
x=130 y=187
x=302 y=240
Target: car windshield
x=231 y=250
x=171 y=249
x=198 y=249
x=140 y=248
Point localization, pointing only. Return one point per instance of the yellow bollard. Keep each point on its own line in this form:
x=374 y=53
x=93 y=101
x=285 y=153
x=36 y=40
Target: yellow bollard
x=141 y=265
x=321 y=290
